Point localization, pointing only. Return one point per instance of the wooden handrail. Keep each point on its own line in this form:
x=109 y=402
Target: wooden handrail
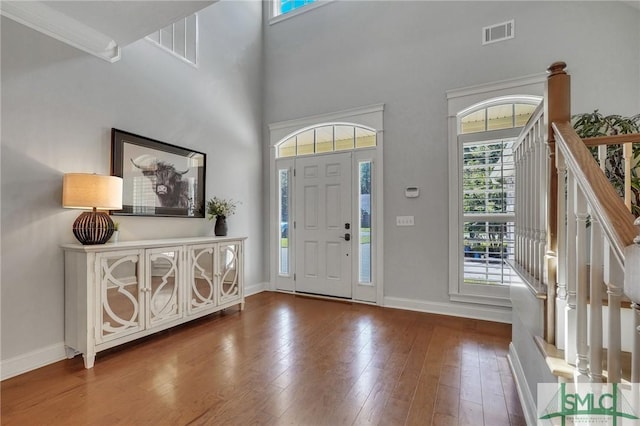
x=605 y=203
x=612 y=140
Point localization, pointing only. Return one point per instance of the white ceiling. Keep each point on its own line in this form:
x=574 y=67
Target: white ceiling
x=99 y=27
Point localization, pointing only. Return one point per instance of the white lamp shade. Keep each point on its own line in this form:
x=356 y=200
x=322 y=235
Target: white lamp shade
x=86 y=191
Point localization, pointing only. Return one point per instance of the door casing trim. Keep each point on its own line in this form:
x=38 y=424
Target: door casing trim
x=370 y=116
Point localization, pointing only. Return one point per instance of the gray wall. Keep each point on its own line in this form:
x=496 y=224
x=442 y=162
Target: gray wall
x=58 y=107
x=406 y=55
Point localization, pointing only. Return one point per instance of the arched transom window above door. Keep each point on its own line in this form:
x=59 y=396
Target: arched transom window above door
x=326 y=138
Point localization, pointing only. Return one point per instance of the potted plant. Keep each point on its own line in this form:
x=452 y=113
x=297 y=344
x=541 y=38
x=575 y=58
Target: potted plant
x=595 y=124
x=220 y=208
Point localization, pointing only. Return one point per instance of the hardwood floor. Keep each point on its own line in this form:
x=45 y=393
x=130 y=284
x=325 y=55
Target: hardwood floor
x=285 y=360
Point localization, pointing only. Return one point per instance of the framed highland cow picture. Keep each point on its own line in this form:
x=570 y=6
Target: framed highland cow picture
x=158 y=179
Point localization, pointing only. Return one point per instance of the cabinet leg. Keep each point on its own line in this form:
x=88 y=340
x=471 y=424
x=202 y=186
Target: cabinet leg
x=70 y=352
x=242 y=306
x=89 y=359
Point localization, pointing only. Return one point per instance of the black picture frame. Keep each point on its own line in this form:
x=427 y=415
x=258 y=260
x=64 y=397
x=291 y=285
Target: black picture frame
x=159 y=179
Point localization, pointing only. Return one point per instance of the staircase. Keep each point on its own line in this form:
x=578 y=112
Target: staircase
x=576 y=256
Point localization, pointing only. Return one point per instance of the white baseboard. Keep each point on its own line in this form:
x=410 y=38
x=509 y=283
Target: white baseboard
x=256 y=288
x=39 y=358
x=30 y=361
x=487 y=313
x=526 y=399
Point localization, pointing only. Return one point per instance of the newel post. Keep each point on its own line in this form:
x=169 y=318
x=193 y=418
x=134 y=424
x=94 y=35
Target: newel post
x=557 y=109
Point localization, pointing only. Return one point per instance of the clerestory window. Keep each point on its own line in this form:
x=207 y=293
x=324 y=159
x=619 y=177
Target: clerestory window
x=284 y=9
x=287 y=6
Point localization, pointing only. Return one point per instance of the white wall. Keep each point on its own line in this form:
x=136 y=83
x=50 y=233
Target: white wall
x=406 y=55
x=58 y=107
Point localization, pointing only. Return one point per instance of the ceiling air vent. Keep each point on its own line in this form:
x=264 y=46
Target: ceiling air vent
x=498 y=32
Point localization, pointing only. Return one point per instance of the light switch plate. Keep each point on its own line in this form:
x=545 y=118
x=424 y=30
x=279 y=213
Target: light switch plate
x=404 y=221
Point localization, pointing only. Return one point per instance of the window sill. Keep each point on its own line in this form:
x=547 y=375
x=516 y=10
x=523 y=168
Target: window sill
x=481 y=300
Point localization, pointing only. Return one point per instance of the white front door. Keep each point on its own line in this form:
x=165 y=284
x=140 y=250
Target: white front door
x=323 y=225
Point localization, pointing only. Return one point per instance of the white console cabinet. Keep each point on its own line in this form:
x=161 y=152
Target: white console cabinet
x=116 y=293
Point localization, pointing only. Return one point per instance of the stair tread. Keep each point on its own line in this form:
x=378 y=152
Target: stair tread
x=554 y=358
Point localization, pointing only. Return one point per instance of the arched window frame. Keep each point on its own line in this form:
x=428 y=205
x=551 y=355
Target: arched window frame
x=512 y=100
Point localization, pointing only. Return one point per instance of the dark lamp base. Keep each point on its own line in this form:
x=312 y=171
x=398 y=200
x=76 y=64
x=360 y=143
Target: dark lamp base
x=93 y=228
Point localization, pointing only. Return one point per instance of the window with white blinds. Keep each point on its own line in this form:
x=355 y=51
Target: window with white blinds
x=488 y=201
x=482 y=187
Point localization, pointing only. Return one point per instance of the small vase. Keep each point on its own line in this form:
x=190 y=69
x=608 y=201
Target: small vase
x=220 y=228
x=115 y=236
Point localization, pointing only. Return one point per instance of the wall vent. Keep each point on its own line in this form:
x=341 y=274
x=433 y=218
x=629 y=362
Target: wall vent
x=498 y=32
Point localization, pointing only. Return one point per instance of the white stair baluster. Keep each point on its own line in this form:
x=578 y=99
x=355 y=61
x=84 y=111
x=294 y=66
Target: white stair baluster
x=595 y=307
x=634 y=279
x=614 y=291
x=582 y=362
x=543 y=177
x=527 y=207
x=535 y=194
x=561 y=300
x=516 y=222
x=635 y=356
x=570 y=353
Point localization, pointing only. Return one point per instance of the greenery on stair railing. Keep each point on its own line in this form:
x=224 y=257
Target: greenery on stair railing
x=590 y=125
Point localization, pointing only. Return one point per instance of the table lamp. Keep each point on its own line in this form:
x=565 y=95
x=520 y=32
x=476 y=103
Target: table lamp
x=91 y=191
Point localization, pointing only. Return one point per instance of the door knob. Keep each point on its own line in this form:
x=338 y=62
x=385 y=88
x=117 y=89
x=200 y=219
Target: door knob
x=347 y=237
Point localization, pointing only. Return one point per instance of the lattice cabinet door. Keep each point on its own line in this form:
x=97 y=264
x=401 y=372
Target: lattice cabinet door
x=229 y=272
x=120 y=295
x=201 y=278
x=163 y=294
